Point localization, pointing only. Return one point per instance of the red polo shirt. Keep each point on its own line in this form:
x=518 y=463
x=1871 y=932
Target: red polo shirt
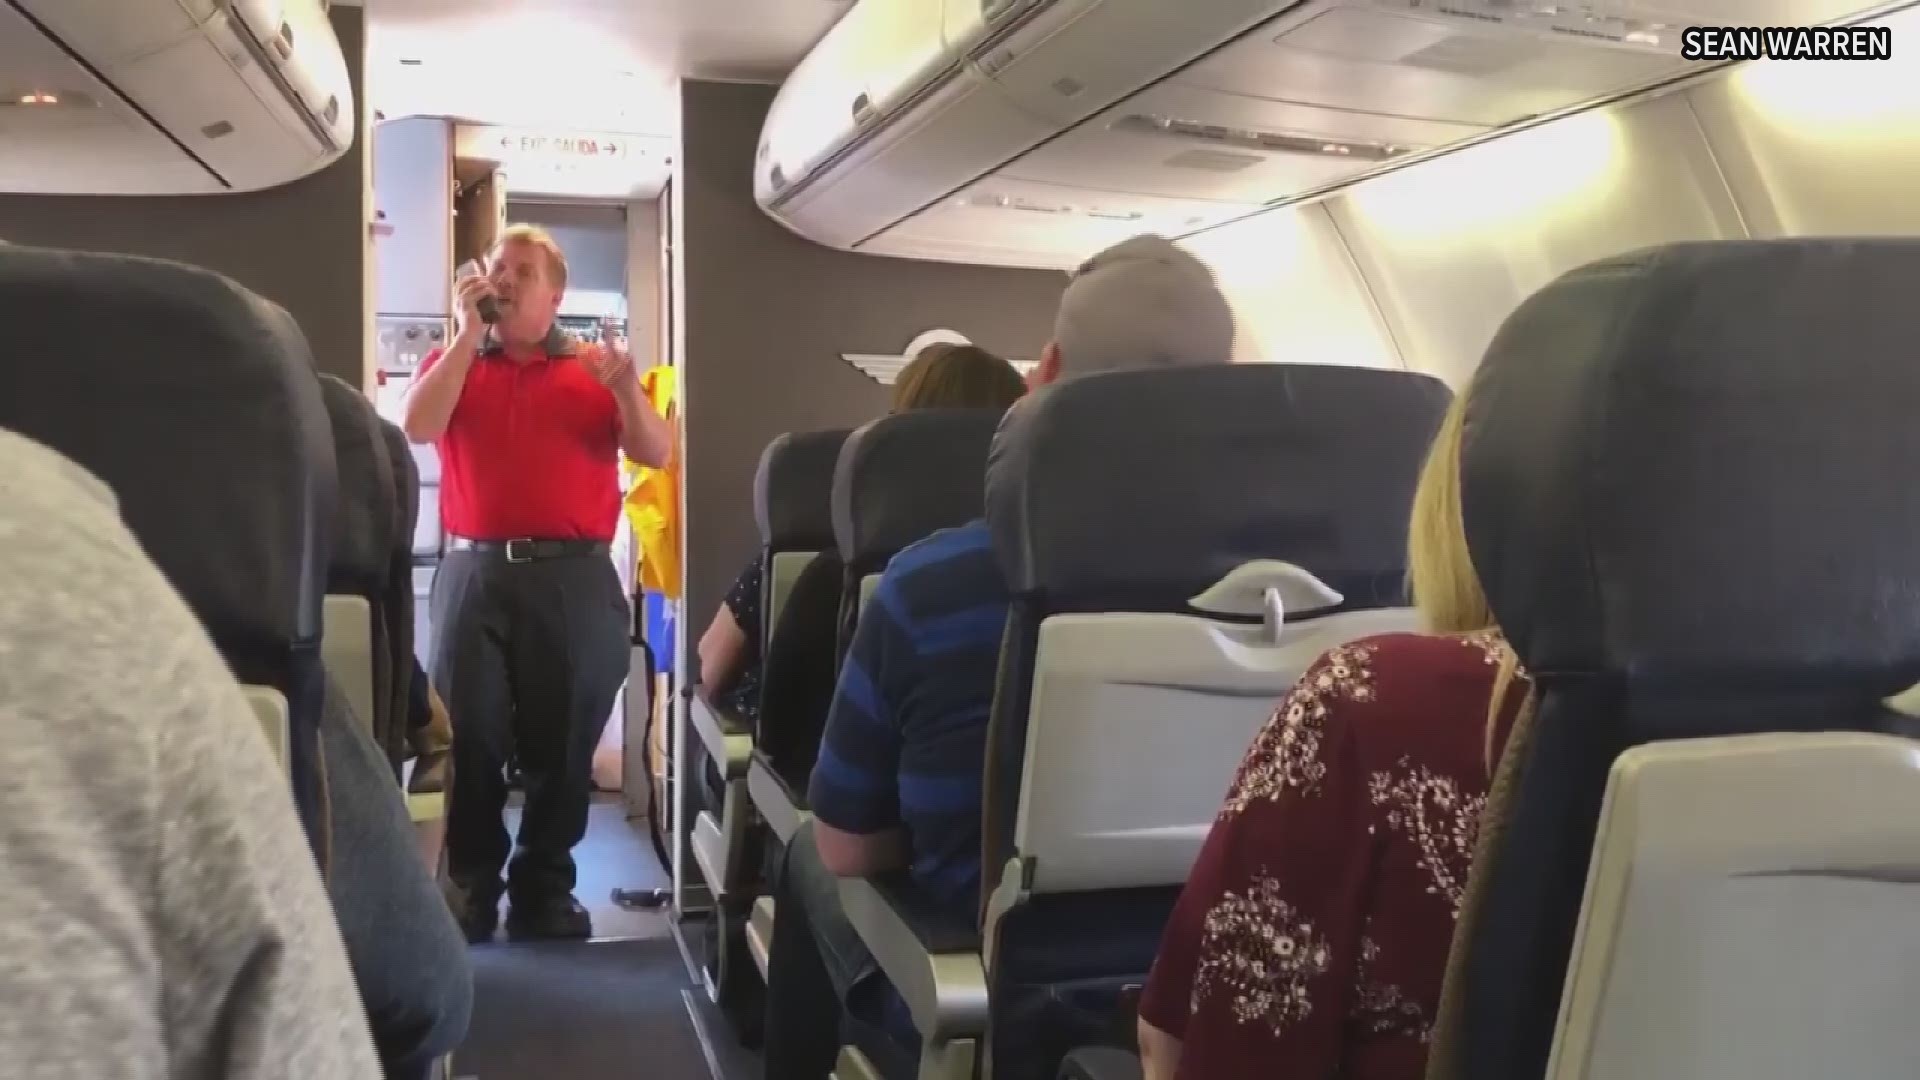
x=532 y=449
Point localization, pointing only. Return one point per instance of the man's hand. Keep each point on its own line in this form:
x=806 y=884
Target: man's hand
x=467 y=293
x=645 y=436
x=612 y=364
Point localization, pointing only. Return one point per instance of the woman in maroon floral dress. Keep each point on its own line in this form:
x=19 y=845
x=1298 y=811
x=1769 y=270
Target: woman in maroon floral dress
x=1312 y=935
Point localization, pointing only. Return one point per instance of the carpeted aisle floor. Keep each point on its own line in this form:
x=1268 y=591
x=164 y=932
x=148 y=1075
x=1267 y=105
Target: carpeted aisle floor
x=600 y=1010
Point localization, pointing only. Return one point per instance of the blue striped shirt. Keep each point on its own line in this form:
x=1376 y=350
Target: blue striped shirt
x=906 y=737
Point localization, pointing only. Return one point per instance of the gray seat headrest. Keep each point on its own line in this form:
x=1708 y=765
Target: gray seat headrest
x=793 y=490
x=364 y=517
x=904 y=477
x=1146 y=487
x=195 y=400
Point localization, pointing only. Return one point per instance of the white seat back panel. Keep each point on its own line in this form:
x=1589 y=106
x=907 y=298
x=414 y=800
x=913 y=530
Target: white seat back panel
x=1138 y=723
x=1752 y=913
x=346 y=647
x=785 y=568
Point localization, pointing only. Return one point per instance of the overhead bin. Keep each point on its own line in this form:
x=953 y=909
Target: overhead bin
x=837 y=173
x=1144 y=110
x=862 y=71
x=189 y=96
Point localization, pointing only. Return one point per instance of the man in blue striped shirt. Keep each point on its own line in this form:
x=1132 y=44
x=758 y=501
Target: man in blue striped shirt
x=898 y=781
x=905 y=740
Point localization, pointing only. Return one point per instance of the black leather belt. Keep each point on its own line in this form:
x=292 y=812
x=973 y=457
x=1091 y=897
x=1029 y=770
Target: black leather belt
x=527 y=550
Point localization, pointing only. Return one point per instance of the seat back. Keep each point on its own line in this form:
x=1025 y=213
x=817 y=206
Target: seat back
x=1682 y=488
x=792 y=504
x=357 y=626
x=899 y=480
x=194 y=400
x=793 y=492
x=1181 y=543
x=399 y=603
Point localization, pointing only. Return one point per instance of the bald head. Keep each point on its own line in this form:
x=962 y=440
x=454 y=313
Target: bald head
x=1141 y=303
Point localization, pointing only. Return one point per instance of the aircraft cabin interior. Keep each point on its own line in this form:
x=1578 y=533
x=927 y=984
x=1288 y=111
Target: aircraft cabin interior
x=1486 y=646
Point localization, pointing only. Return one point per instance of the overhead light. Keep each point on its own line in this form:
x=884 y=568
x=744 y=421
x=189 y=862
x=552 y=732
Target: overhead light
x=1284 y=142
x=38 y=98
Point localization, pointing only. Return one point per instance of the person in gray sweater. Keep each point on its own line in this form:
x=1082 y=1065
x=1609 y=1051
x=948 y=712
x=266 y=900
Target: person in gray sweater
x=161 y=916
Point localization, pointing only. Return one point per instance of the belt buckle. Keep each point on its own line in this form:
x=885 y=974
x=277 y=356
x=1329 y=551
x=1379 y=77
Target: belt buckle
x=520 y=558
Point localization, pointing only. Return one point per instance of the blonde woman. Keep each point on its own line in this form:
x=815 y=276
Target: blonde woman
x=1312 y=935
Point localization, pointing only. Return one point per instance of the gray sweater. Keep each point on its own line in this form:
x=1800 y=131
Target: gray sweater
x=160 y=914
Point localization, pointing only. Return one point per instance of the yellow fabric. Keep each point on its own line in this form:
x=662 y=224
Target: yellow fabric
x=653 y=500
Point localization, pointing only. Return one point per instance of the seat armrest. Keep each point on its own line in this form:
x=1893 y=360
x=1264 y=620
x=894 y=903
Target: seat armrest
x=726 y=735
x=270 y=708
x=777 y=806
x=1101 y=1063
x=930 y=957
x=936 y=929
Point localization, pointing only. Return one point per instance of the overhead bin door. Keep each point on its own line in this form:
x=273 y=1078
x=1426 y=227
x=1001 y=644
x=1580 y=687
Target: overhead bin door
x=266 y=20
x=190 y=88
x=811 y=115
x=876 y=57
x=317 y=69
x=904 y=45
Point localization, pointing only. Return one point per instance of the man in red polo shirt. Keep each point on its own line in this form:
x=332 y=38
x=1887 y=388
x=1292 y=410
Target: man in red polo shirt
x=530 y=625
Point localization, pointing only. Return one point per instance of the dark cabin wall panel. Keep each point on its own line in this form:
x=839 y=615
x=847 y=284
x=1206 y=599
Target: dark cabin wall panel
x=767 y=315
x=302 y=245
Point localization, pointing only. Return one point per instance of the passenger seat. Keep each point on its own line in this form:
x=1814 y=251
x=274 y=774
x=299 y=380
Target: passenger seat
x=1181 y=543
x=1690 y=499
x=358 y=630
x=791 y=494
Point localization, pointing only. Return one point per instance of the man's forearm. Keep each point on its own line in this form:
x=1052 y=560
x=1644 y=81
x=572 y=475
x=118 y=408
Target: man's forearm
x=645 y=435
x=432 y=397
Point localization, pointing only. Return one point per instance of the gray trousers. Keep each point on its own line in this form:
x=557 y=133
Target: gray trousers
x=529 y=657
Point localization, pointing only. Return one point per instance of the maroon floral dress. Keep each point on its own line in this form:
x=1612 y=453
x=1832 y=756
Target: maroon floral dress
x=1312 y=935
